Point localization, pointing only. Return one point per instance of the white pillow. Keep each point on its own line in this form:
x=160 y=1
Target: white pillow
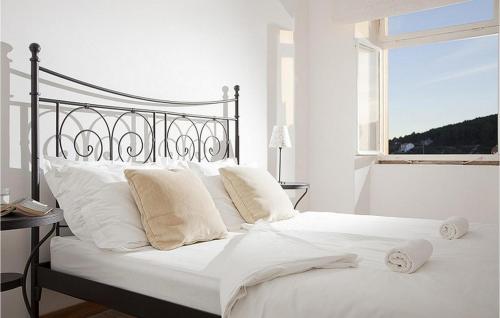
x=97 y=203
x=72 y=187
x=209 y=174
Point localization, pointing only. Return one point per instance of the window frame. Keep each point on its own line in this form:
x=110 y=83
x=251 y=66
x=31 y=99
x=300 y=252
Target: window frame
x=456 y=32
x=384 y=42
x=381 y=115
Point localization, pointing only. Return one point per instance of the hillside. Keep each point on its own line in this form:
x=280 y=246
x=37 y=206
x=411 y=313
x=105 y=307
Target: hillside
x=476 y=136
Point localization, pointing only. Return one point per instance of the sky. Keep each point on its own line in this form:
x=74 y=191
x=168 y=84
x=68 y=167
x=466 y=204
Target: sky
x=442 y=83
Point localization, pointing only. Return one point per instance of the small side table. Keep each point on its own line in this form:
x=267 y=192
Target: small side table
x=11 y=280
x=296 y=186
x=16 y=221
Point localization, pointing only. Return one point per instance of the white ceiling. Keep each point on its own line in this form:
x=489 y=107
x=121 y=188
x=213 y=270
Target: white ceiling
x=352 y=11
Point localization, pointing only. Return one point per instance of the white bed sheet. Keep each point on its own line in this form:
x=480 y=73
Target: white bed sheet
x=176 y=276
x=460 y=279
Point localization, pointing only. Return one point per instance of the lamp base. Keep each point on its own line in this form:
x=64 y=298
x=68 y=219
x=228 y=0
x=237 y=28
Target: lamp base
x=279 y=167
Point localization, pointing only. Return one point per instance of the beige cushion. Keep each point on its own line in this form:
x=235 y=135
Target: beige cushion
x=256 y=194
x=175 y=207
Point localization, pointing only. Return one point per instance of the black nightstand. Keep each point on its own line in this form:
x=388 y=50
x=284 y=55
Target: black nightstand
x=16 y=221
x=296 y=186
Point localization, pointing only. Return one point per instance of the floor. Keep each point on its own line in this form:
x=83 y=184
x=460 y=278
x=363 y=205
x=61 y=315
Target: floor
x=86 y=310
x=110 y=314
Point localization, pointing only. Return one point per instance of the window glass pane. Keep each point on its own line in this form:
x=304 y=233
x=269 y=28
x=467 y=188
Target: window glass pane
x=463 y=13
x=443 y=97
x=368 y=100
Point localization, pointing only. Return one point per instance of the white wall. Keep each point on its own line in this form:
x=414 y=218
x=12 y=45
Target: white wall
x=427 y=191
x=435 y=191
x=184 y=50
x=362 y=183
x=331 y=105
x=302 y=125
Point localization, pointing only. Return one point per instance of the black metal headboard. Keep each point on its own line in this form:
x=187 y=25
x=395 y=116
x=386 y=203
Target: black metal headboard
x=165 y=133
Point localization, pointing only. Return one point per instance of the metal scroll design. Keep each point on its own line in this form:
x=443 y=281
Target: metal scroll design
x=183 y=141
x=200 y=139
x=133 y=151
x=90 y=143
x=83 y=133
x=214 y=146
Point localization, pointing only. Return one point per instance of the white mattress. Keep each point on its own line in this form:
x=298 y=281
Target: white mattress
x=176 y=276
x=460 y=280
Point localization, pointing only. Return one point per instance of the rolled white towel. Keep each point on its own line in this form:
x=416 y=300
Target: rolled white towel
x=409 y=256
x=454 y=227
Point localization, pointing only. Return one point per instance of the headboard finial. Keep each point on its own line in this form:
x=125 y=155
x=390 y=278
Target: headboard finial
x=236 y=91
x=35 y=48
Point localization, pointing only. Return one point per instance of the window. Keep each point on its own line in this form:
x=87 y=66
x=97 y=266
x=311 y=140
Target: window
x=368 y=99
x=466 y=12
x=429 y=84
x=443 y=97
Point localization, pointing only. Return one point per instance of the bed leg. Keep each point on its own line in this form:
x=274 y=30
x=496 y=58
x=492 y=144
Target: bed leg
x=32 y=302
x=35 y=290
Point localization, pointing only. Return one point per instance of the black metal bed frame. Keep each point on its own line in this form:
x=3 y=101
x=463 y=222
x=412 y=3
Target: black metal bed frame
x=186 y=145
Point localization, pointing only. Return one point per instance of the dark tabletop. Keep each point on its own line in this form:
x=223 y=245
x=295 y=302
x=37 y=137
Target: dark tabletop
x=18 y=221
x=294 y=185
x=11 y=280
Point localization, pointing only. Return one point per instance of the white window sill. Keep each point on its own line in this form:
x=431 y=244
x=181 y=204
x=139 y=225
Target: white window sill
x=480 y=160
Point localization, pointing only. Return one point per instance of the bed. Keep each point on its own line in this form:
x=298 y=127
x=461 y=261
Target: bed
x=462 y=274
x=157 y=131
x=460 y=280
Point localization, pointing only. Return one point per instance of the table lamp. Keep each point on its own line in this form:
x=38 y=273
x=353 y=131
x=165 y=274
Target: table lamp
x=280 y=139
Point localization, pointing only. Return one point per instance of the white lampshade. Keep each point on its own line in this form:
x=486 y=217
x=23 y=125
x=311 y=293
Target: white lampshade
x=280 y=138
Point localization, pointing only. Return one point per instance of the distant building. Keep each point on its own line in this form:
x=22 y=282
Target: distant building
x=426 y=142
x=406 y=147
